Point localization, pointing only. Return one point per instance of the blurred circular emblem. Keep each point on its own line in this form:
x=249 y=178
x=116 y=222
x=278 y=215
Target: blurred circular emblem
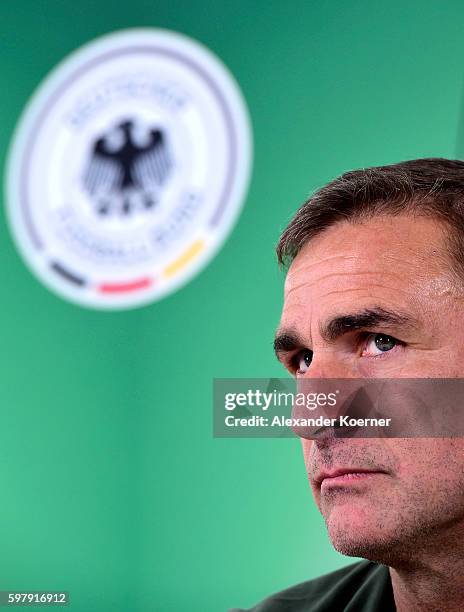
x=128 y=168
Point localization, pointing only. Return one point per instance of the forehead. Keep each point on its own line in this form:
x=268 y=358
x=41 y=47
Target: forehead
x=382 y=261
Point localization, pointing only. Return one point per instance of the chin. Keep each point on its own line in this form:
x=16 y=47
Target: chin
x=357 y=532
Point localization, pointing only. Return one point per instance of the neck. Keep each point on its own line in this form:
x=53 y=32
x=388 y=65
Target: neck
x=435 y=582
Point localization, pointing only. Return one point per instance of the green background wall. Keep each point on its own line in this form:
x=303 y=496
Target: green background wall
x=112 y=486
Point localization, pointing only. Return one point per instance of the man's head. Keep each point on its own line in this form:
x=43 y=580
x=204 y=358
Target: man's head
x=375 y=288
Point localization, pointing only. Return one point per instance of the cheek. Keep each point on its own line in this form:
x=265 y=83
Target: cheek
x=431 y=462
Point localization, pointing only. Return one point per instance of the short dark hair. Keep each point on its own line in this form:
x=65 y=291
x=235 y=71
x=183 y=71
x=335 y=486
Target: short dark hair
x=430 y=187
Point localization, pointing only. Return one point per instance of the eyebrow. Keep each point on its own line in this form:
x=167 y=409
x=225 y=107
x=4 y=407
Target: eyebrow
x=369 y=317
x=287 y=340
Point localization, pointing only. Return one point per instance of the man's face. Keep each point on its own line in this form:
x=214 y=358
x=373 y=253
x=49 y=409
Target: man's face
x=394 y=265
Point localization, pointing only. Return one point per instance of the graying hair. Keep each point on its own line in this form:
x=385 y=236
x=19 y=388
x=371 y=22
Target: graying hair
x=430 y=187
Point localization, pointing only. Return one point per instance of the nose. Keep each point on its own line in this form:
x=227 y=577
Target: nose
x=331 y=376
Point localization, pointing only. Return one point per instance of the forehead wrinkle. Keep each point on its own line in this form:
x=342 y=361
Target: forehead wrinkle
x=351 y=264
x=343 y=276
x=365 y=254
x=298 y=266
x=368 y=291
x=416 y=272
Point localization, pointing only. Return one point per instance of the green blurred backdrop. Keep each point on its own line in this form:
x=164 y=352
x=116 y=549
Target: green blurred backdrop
x=112 y=486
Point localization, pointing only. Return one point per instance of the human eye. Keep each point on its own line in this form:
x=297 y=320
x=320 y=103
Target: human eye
x=301 y=361
x=378 y=344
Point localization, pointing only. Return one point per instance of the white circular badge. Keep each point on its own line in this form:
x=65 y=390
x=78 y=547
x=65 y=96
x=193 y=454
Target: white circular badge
x=128 y=168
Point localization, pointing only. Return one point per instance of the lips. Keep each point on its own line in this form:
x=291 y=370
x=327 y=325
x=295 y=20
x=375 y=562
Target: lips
x=344 y=475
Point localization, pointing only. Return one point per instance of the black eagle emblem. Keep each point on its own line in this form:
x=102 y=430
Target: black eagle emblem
x=127 y=169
